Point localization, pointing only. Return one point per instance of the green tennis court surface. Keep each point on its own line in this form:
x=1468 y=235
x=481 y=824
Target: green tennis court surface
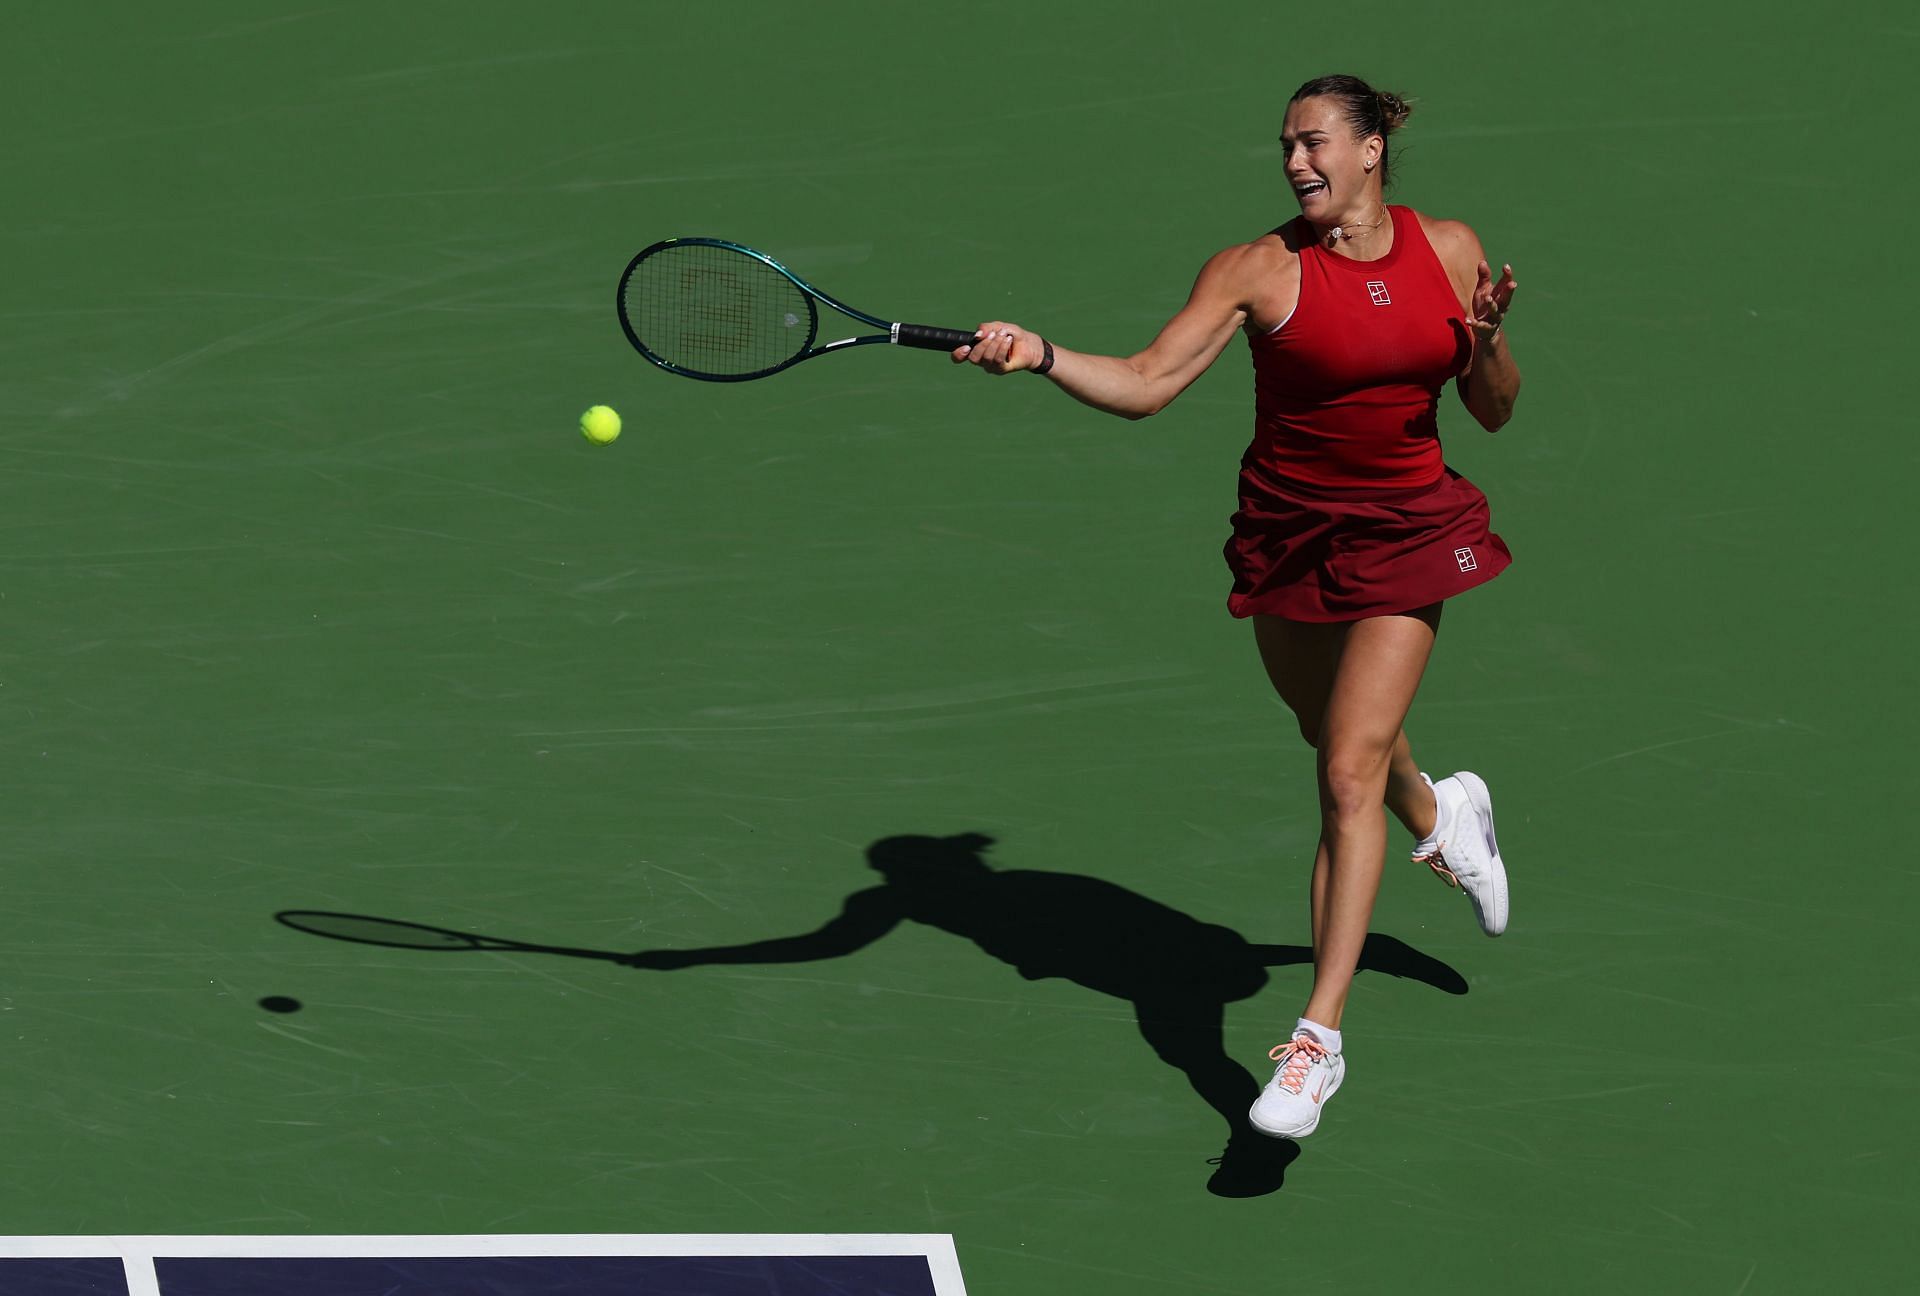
x=314 y=599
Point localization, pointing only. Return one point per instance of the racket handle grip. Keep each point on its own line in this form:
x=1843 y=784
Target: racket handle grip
x=928 y=338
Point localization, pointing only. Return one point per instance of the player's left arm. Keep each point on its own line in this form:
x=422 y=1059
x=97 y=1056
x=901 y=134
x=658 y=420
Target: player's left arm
x=1490 y=383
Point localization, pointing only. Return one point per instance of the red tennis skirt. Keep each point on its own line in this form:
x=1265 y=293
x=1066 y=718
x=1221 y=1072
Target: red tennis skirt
x=1312 y=555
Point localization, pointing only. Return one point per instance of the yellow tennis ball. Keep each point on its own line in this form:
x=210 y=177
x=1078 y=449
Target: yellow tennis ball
x=600 y=424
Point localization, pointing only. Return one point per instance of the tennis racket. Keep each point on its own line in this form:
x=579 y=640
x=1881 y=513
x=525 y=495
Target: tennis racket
x=713 y=310
x=363 y=929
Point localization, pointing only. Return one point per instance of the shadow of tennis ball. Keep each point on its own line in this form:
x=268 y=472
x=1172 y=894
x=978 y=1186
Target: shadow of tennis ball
x=280 y=1004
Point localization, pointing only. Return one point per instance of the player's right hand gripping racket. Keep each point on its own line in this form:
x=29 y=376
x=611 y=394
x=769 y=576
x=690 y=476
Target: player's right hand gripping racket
x=709 y=309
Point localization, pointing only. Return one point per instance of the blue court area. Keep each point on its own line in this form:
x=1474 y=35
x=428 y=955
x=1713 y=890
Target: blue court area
x=64 y=1276
x=479 y=1266
x=550 y=1276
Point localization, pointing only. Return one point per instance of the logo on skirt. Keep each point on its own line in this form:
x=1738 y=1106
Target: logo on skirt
x=1379 y=291
x=1465 y=558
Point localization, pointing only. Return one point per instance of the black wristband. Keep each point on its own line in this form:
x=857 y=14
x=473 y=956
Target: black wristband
x=1046 y=360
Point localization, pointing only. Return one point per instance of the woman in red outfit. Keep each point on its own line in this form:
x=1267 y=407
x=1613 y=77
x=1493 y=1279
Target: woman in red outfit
x=1351 y=531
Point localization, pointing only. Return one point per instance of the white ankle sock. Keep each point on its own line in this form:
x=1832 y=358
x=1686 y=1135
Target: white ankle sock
x=1432 y=840
x=1329 y=1037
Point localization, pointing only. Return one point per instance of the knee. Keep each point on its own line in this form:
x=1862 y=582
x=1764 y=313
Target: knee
x=1353 y=777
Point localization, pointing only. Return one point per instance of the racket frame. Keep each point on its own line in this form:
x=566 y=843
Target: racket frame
x=461 y=942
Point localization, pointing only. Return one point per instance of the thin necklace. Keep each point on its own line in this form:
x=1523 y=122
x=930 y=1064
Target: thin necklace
x=1339 y=232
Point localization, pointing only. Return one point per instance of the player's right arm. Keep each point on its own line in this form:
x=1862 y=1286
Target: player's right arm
x=867 y=916
x=1144 y=383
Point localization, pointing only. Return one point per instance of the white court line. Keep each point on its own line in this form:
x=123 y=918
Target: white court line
x=141 y=1279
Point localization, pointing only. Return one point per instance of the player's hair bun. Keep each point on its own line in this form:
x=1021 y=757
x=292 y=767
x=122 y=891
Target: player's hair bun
x=1394 y=110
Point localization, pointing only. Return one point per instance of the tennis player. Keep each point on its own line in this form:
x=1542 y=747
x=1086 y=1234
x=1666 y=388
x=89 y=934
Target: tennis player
x=1352 y=532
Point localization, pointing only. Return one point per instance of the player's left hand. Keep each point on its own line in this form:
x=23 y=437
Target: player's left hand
x=1491 y=301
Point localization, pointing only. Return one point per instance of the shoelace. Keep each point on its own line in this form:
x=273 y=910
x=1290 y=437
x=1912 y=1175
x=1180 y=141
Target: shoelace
x=1296 y=1057
x=1436 y=859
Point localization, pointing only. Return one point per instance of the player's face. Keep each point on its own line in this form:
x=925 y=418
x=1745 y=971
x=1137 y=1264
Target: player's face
x=1326 y=166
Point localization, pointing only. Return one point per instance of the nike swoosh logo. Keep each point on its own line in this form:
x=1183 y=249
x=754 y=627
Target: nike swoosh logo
x=1317 y=1092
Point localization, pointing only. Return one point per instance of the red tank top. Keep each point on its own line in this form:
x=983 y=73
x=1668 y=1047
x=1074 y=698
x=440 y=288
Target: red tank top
x=1345 y=391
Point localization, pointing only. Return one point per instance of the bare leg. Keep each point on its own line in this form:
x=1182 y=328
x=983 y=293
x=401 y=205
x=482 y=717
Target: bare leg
x=1412 y=803
x=1410 y=799
x=1408 y=796
x=1301 y=658
x=1380 y=665
x=1318 y=899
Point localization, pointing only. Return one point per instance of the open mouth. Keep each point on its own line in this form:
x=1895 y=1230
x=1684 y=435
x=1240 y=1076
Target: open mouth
x=1311 y=189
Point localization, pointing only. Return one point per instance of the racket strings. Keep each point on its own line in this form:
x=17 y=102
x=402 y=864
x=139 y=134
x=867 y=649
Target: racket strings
x=715 y=311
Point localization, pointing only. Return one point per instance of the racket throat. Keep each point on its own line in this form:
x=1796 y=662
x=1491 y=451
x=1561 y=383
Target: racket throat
x=824 y=347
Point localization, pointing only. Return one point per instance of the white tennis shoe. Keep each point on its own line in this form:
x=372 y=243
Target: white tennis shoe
x=1464 y=853
x=1307 y=1075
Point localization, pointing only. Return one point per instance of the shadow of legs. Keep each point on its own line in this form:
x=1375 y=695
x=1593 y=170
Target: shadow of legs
x=1188 y=1034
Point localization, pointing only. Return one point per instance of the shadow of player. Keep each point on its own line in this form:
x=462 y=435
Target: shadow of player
x=1177 y=972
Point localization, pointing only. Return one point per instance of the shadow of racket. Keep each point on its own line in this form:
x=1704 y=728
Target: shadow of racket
x=391 y=933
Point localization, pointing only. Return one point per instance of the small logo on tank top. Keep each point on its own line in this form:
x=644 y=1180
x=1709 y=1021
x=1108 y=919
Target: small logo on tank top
x=1379 y=291
x=1465 y=558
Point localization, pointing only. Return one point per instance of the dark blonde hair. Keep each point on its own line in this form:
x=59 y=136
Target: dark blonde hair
x=1368 y=111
